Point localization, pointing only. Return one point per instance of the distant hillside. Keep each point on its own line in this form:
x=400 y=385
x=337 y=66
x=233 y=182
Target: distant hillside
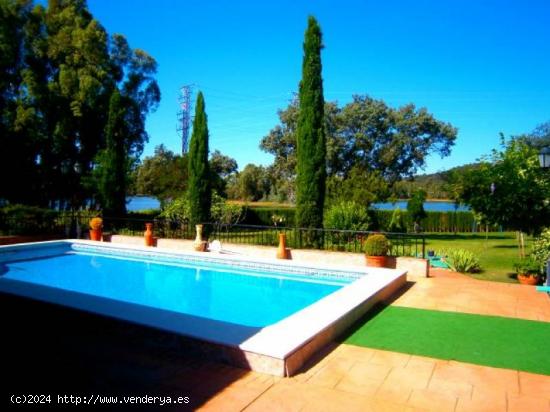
x=436 y=185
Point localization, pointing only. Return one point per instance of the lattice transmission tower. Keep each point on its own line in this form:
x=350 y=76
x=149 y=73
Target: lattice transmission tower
x=184 y=115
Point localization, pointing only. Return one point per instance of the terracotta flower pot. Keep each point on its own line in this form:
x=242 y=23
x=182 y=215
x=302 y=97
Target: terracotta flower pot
x=528 y=279
x=282 y=251
x=96 y=234
x=148 y=235
x=377 y=261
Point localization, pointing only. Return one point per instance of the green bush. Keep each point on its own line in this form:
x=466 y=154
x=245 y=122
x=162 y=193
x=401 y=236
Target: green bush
x=397 y=223
x=347 y=216
x=461 y=260
x=27 y=220
x=377 y=245
x=527 y=267
x=177 y=210
x=540 y=250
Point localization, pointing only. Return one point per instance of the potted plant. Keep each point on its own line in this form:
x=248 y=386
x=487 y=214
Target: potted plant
x=96 y=228
x=528 y=272
x=376 y=250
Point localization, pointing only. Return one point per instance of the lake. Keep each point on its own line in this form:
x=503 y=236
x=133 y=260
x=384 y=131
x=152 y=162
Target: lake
x=429 y=206
x=137 y=203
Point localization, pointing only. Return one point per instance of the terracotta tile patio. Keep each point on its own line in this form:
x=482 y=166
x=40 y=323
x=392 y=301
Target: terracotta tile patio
x=100 y=354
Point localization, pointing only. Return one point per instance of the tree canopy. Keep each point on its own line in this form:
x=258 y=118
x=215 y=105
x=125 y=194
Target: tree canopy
x=509 y=188
x=163 y=175
x=222 y=169
x=364 y=137
x=251 y=184
x=62 y=68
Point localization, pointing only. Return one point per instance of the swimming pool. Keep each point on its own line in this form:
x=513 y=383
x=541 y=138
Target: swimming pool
x=266 y=309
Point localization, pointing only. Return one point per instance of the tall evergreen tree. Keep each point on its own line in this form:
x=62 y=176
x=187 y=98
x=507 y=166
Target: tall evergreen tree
x=112 y=162
x=310 y=135
x=199 y=189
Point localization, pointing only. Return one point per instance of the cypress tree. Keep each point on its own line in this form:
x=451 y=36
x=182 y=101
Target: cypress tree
x=199 y=191
x=310 y=134
x=111 y=173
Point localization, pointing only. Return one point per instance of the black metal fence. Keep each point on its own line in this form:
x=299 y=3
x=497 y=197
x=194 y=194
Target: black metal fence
x=401 y=244
x=76 y=226
x=62 y=225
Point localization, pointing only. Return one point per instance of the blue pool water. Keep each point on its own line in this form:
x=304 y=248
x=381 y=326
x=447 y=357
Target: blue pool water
x=213 y=291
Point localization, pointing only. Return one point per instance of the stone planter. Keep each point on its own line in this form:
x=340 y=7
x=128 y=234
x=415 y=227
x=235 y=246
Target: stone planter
x=200 y=245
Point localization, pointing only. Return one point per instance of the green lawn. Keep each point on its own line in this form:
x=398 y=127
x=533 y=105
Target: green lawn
x=496 y=254
x=484 y=340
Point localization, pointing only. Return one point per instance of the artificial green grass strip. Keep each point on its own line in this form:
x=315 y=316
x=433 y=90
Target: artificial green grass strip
x=483 y=340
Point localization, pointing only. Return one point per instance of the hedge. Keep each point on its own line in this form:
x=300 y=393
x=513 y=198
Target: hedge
x=27 y=220
x=462 y=221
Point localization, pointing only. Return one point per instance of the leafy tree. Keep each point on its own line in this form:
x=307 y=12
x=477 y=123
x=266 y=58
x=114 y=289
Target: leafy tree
x=222 y=168
x=251 y=184
x=61 y=69
x=20 y=127
x=415 y=207
x=163 y=175
x=360 y=186
x=79 y=88
x=281 y=143
x=510 y=189
x=310 y=134
x=365 y=135
x=394 y=142
x=538 y=138
x=199 y=192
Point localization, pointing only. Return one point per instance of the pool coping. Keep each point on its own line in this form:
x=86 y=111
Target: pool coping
x=278 y=349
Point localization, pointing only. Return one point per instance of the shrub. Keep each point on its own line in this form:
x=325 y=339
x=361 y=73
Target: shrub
x=540 y=250
x=377 y=245
x=463 y=261
x=347 y=216
x=397 y=223
x=223 y=212
x=177 y=210
x=415 y=206
x=26 y=220
x=527 y=267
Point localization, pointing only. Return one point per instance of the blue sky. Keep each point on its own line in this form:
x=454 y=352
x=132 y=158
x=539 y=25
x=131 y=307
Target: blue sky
x=483 y=66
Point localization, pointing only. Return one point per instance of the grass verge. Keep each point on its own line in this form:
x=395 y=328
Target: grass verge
x=496 y=251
